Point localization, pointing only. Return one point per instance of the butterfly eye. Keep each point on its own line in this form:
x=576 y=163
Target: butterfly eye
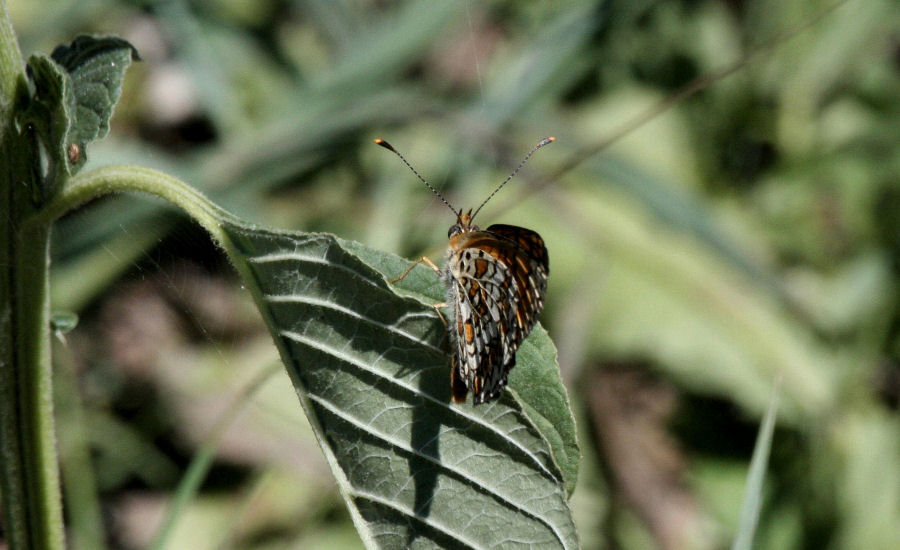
x=453 y=230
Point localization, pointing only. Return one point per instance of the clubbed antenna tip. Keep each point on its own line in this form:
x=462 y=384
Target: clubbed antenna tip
x=545 y=141
x=386 y=145
x=390 y=147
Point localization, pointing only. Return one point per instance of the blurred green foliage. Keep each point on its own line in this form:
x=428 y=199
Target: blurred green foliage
x=750 y=231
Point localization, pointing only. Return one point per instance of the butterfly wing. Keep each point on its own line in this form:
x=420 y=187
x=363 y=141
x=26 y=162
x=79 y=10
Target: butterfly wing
x=530 y=271
x=483 y=294
x=498 y=281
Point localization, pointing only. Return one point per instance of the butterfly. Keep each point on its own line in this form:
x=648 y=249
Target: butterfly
x=496 y=280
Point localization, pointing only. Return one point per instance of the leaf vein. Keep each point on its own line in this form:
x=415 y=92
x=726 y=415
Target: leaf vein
x=410 y=513
x=297 y=337
x=482 y=484
x=294 y=256
x=291 y=298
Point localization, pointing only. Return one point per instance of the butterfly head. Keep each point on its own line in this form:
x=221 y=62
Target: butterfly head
x=463 y=224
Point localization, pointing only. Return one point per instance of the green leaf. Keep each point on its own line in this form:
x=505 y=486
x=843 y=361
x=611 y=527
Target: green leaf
x=370 y=365
x=371 y=369
x=75 y=90
x=535 y=379
x=537 y=382
x=48 y=114
x=96 y=67
x=754 y=494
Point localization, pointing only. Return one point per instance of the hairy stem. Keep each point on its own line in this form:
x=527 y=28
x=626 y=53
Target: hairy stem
x=31 y=505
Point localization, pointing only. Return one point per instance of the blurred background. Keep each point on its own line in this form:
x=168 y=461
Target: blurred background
x=747 y=234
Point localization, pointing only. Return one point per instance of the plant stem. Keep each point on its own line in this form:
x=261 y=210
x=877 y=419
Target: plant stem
x=35 y=386
x=30 y=476
x=89 y=185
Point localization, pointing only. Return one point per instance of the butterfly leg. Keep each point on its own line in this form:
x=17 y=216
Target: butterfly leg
x=437 y=309
x=429 y=263
x=423 y=259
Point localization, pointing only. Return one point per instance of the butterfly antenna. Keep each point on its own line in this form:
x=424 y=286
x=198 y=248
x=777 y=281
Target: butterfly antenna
x=540 y=144
x=390 y=147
